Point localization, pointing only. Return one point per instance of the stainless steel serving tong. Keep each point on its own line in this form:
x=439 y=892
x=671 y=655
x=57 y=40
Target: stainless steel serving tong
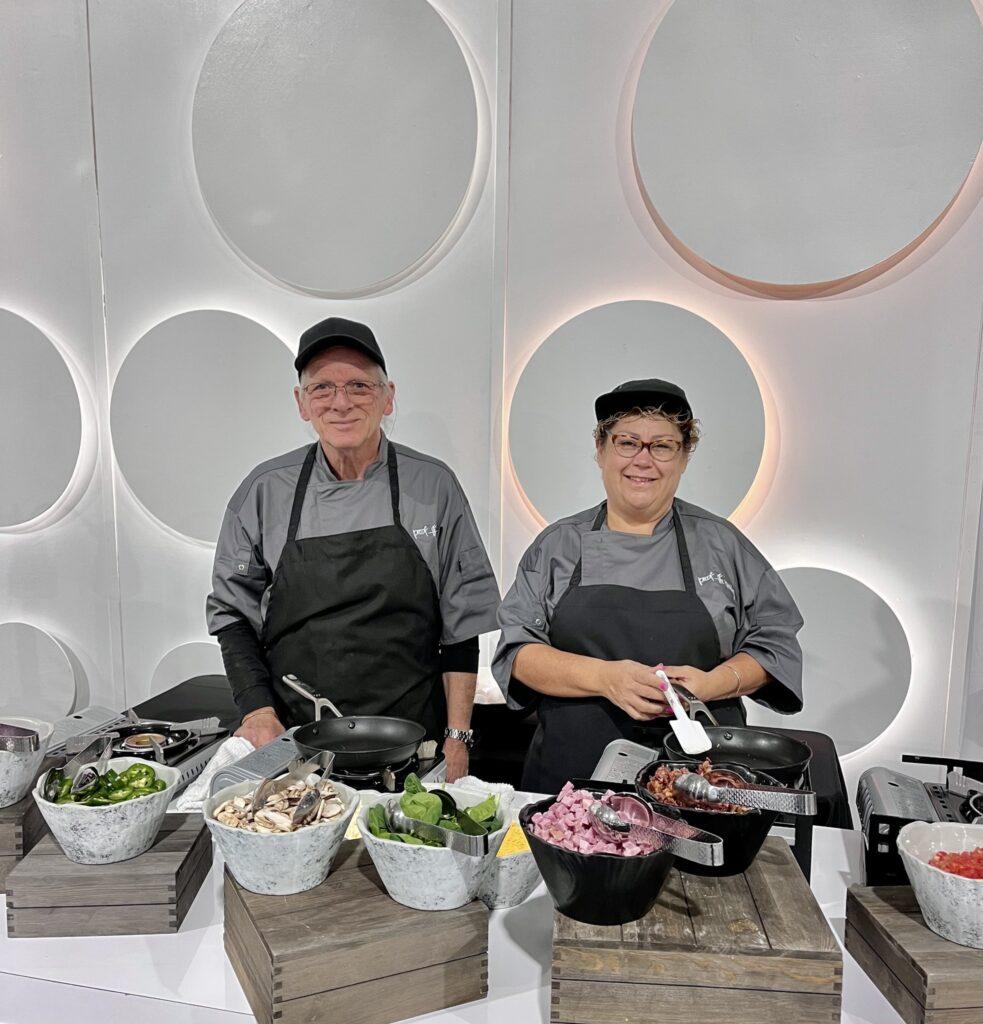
x=297 y=771
x=473 y=846
x=746 y=794
x=626 y=815
x=15 y=739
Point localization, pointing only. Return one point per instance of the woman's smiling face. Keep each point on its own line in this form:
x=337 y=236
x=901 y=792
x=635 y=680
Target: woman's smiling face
x=639 y=485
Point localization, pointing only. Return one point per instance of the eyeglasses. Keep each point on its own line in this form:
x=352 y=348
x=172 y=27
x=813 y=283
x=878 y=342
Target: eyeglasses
x=662 y=449
x=357 y=390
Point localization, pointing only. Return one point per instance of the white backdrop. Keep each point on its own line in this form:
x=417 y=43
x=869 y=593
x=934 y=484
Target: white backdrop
x=514 y=195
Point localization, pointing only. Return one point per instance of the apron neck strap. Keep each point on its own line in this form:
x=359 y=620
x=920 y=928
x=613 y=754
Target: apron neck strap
x=305 y=476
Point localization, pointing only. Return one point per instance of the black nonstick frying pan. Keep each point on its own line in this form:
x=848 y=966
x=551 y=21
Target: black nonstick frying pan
x=357 y=741
x=758 y=749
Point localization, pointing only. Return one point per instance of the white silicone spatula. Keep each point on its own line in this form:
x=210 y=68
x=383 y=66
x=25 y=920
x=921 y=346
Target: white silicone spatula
x=691 y=735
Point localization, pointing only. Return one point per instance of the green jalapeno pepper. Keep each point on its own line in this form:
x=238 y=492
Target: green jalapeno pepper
x=96 y=801
x=117 y=796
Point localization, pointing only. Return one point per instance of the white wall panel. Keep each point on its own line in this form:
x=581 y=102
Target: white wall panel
x=164 y=255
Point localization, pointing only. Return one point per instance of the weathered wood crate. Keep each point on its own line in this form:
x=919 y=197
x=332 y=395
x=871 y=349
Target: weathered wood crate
x=21 y=826
x=345 y=951
x=742 y=950
x=49 y=895
x=926 y=978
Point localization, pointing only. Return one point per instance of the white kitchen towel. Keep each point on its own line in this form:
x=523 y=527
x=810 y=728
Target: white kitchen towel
x=233 y=749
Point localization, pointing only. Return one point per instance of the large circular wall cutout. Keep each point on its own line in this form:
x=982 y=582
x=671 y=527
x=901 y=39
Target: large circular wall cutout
x=40 y=422
x=39 y=678
x=857 y=663
x=552 y=412
x=335 y=142
x=792 y=142
x=201 y=399
x=198 y=658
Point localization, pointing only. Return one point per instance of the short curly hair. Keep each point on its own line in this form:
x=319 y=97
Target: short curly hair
x=689 y=427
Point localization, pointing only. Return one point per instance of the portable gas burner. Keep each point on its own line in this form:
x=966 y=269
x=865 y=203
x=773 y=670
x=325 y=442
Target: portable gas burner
x=278 y=753
x=888 y=800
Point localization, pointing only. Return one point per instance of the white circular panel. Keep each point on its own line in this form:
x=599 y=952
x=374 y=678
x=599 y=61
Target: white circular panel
x=198 y=658
x=38 y=677
x=40 y=422
x=201 y=399
x=334 y=142
x=856 y=660
x=552 y=412
x=793 y=142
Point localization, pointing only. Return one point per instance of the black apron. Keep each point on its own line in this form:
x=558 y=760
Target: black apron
x=356 y=616
x=617 y=623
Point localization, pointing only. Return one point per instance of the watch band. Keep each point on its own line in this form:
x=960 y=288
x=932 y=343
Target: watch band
x=466 y=736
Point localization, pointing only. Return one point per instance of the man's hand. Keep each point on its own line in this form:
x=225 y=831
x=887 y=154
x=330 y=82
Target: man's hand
x=456 y=759
x=260 y=727
x=634 y=688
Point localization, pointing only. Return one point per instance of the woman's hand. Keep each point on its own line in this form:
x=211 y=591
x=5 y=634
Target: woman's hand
x=693 y=679
x=634 y=688
x=260 y=727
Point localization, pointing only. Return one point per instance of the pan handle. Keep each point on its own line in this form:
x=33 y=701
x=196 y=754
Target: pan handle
x=320 y=703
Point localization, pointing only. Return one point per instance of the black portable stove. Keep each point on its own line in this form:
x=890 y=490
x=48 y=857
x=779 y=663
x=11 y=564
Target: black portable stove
x=888 y=800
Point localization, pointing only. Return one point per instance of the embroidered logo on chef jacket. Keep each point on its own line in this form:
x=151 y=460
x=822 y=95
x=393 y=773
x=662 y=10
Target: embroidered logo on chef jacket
x=426 y=531
x=715 y=577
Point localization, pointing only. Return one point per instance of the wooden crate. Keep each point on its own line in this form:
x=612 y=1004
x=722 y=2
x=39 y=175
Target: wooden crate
x=926 y=978
x=345 y=951
x=745 y=950
x=49 y=895
x=21 y=826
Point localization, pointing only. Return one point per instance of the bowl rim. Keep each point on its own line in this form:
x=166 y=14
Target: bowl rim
x=212 y=821
x=168 y=788
x=924 y=863
x=767 y=780
x=618 y=857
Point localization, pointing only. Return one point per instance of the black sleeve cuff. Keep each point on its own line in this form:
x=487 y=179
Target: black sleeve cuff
x=460 y=657
x=245 y=666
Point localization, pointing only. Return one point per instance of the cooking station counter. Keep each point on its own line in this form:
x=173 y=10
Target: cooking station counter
x=162 y=978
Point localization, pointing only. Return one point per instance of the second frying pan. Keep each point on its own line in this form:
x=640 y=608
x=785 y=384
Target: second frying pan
x=758 y=749
x=357 y=741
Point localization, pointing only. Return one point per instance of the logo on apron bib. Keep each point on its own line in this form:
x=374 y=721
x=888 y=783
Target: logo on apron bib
x=715 y=577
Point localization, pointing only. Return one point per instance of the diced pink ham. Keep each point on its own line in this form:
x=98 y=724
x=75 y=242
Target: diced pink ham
x=567 y=824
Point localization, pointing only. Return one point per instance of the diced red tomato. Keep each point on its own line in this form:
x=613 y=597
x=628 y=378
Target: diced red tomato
x=968 y=864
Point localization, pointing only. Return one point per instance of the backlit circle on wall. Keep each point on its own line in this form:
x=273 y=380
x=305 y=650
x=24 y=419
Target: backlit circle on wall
x=857 y=663
x=40 y=422
x=552 y=410
x=198 y=402
x=793 y=142
x=39 y=678
x=335 y=142
x=198 y=658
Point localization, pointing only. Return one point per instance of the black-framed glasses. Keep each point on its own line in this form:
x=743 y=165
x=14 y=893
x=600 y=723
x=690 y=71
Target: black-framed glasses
x=357 y=390
x=662 y=449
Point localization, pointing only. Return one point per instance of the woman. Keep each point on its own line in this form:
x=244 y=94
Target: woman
x=603 y=597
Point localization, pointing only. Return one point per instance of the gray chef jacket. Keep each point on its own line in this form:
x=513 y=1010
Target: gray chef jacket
x=749 y=604
x=432 y=509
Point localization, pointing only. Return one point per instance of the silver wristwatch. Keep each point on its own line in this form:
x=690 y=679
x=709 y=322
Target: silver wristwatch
x=466 y=736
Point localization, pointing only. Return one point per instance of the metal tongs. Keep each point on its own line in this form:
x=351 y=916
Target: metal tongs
x=297 y=771
x=626 y=815
x=15 y=739
x=745 y=794
x=475 y=845
x=84 y=749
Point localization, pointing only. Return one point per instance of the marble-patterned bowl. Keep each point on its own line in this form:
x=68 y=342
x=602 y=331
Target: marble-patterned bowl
x=17 y=771
x=951 y=905
x=507 y=881
x=281 y=863
x=430 y=877
x=105 y=835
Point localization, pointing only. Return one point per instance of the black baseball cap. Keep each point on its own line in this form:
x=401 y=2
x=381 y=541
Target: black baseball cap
x=637 y=394
x=336 y=330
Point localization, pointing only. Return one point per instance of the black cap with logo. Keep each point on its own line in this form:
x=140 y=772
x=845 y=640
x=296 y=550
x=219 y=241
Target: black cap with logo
x=336 y=330
x=639 y=394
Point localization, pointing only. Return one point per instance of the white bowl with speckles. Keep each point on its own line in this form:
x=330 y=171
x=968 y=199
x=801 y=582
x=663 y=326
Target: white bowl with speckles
x=951 y=904
x=281 y=863
x=106 y=835
x=430 y=877
x=17 y=771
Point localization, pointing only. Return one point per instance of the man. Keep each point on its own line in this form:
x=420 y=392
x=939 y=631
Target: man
x=354 y=564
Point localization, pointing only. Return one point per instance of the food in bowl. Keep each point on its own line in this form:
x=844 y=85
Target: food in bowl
x=275 y=816
x=111 y=787
x=660 y=785
x=567 y=824
x=966 y=863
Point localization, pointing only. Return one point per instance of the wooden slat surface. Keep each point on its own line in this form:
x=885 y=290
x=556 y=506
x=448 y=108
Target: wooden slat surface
x=11 y=837
x=723 y=914
x=936 y=973
x=7 y=863
x=670 y=925
x=45 y=922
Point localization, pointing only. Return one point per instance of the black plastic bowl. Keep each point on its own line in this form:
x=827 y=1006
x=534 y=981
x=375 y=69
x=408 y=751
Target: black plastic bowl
x=761 y=750
x=743 y=834
x=596 y=888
